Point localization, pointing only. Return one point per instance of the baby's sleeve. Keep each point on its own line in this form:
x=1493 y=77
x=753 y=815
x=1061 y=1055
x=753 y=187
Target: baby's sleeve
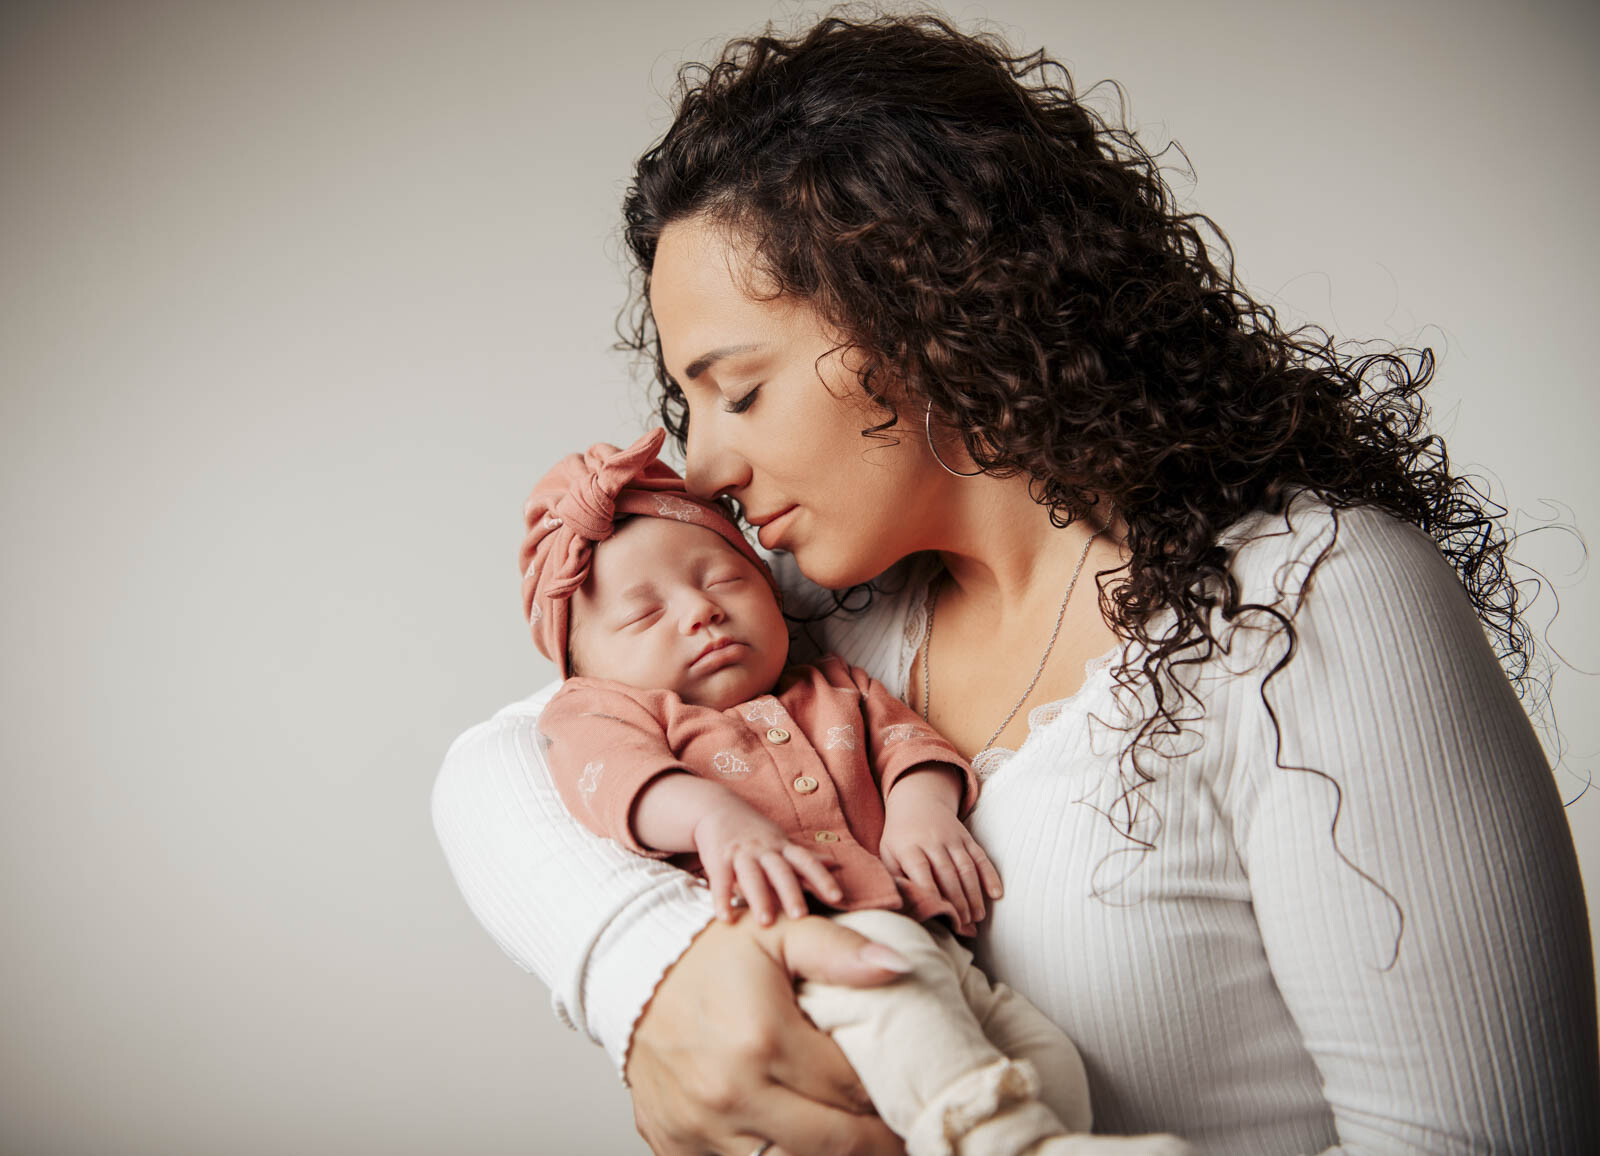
x=899 y=739
x=603 y=748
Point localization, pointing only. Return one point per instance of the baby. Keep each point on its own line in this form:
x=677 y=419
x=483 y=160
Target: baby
x=681 y=731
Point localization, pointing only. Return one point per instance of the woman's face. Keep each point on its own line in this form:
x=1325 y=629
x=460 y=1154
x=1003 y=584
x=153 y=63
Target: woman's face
x=776 y=413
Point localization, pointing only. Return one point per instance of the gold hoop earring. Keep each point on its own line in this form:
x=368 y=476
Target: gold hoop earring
x=927 y=424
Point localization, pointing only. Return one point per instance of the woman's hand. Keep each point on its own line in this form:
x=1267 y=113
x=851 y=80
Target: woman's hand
x=739 y=845
x=924 y=841
x=723 y=1059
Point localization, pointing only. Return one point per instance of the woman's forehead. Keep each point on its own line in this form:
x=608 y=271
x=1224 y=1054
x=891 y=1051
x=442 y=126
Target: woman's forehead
x=706 y=290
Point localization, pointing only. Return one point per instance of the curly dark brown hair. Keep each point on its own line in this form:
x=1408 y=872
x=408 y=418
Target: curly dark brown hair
x=989 y=244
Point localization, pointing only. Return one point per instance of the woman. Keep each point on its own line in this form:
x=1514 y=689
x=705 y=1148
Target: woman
x=1280 y=850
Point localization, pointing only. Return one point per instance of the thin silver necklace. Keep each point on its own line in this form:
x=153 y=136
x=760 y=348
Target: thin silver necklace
x=927 y=647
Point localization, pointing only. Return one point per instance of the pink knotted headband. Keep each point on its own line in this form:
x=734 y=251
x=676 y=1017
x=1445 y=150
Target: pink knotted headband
x=576 y=505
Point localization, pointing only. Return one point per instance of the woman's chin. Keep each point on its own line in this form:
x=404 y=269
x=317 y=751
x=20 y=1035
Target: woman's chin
x=829 y=573
x=832 y=572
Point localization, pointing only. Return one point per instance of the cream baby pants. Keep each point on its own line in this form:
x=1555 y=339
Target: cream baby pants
x=955 y=1065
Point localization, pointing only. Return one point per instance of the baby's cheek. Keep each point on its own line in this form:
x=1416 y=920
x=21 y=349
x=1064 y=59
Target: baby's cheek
x=774 y=651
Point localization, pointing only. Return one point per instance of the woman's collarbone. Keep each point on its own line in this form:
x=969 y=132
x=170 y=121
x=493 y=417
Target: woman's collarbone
x=976 y=675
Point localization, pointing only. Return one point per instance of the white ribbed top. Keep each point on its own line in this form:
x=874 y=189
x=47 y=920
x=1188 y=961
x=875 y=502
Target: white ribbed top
x=1239 y=983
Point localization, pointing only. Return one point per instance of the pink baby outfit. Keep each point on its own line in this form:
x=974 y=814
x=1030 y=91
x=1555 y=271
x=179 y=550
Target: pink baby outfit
x=818 y=756
x=954 y=1064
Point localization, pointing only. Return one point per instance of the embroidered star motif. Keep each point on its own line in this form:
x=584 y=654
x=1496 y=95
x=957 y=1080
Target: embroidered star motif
x=590 y=779
x=764 y=709
x=841 y=737
x=670 y=507
x=901 y=732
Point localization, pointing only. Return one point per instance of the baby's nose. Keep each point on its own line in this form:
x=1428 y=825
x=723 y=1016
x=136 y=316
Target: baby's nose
x=700 y=613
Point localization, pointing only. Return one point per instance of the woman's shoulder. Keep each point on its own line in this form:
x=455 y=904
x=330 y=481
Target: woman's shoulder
x=1352 y=552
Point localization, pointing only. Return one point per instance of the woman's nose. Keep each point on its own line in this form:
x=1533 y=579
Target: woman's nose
x=710 y=467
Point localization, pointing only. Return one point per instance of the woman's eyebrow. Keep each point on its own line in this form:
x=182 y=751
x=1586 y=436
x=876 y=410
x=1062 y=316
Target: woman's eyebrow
x=706 y=360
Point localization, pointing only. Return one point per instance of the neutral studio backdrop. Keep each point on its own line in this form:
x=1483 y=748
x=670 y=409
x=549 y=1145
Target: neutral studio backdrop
x=297 y=299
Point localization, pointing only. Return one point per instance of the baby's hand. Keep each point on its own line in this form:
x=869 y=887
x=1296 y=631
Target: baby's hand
x=924 y=841
x=739 y=845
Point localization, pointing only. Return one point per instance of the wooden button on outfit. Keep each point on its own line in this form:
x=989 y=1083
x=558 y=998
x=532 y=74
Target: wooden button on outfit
x=778 y=735
x=826 y=837
x=805 y=784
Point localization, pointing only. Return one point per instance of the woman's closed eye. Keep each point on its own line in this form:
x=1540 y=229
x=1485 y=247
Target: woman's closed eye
x=743 y=403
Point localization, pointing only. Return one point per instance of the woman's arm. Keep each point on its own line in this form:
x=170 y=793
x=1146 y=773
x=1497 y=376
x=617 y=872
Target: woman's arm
x=597 y=924
x=1479 y=1034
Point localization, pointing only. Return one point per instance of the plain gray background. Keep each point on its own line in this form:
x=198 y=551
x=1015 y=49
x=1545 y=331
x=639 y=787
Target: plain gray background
x=296 y=301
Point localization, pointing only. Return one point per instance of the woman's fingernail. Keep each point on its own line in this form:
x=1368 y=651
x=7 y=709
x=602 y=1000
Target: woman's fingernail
x=877 y=955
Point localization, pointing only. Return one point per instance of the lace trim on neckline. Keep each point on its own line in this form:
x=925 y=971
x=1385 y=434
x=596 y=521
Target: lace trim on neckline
x=989 y=760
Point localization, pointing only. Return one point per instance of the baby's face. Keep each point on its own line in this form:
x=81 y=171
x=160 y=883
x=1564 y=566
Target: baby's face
x=672 y=606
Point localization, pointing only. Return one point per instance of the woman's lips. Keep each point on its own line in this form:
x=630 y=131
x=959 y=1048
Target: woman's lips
x=771 y=532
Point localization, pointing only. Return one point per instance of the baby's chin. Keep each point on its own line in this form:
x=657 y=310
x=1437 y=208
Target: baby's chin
x=722 y=694
x=716 y=702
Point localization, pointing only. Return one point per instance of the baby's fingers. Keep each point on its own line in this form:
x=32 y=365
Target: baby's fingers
x=814 y=873
x=720 y=876
x=753 y=885
x=971 y=884
x=987 y=871
x=914 y=866
x=950 y=882
x=782 y=878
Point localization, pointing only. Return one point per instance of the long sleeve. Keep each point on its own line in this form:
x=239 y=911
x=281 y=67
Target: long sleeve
x=603 y=747
x=596 y=923
x=901 y=739
x=1448 y=1001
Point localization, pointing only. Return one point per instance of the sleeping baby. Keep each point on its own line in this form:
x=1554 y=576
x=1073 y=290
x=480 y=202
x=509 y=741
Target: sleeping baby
x=681 y=732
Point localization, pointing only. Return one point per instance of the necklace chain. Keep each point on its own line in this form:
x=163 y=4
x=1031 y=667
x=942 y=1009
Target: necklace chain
x=927 y=647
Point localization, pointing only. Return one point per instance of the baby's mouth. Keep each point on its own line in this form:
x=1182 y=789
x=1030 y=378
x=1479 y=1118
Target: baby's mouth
x=713 y=648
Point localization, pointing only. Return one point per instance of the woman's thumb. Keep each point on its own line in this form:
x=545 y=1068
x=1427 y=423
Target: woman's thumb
x=819 y=949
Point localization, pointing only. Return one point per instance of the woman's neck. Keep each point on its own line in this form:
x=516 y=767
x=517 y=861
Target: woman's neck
x=1005 y=556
